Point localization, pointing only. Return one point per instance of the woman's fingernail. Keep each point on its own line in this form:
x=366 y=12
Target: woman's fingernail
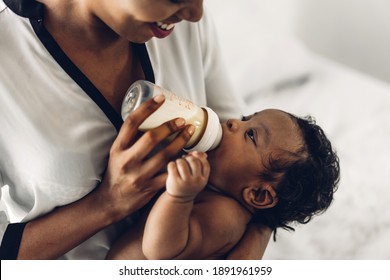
x=191 y=129
x=180 y=122
x=159 y=98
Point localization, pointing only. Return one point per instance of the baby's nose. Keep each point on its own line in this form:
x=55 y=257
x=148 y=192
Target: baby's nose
x=232 y=124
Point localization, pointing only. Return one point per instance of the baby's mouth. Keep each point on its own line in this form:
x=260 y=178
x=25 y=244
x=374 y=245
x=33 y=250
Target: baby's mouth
x=165 y=26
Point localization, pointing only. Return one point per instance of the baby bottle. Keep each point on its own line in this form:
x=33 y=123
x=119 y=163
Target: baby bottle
x=208 y=130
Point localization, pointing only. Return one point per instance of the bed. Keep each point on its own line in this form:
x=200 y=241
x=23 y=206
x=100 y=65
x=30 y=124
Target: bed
x=270 y=67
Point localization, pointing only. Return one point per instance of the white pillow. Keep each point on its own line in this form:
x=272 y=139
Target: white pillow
x=259 y=50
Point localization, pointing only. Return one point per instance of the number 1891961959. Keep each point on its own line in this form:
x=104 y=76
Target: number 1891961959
x=257 y=270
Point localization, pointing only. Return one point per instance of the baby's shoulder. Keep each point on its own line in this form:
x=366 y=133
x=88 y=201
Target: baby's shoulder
x=223 y=219
x=217 y=201
x=221 y=210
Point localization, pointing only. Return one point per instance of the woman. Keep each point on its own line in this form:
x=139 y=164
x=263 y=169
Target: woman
x=65 y=67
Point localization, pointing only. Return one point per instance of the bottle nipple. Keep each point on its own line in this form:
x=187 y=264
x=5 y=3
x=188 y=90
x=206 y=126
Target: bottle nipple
x=212 y=135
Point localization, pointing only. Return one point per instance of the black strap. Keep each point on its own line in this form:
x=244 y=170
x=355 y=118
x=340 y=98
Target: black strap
x=11 y=241
x=26 y=8
x=142 y=53
x=75 y=73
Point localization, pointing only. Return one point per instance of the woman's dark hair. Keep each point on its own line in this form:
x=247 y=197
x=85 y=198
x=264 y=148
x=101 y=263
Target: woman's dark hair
x=305 y=181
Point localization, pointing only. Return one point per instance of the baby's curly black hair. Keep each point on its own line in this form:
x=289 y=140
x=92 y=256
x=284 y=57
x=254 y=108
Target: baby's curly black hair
x=305 y=181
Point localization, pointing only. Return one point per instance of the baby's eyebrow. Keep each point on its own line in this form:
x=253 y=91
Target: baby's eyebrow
x=247 y=118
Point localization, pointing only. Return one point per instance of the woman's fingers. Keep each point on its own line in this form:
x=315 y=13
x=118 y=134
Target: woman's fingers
x=160 y=159
x=150 y=139
x=158 y=182
x=129 y=129
x=133 y=174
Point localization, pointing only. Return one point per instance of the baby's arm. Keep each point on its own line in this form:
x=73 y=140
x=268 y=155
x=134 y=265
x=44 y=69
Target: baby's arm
x=171 y=227
x=177 y=229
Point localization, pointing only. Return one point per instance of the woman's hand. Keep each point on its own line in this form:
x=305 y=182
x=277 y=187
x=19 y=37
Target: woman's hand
x=133 y=177
x=130 y=181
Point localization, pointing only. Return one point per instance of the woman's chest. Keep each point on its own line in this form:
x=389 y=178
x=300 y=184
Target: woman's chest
x=55 y=141
x=111 y=72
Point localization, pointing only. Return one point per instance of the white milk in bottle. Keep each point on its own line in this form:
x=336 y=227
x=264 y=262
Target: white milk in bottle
x=208 y=130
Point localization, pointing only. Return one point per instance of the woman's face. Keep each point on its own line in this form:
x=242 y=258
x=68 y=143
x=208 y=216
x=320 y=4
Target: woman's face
x=140 y=20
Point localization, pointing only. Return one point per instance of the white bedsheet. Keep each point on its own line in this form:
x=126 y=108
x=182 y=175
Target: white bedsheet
x=354 y=111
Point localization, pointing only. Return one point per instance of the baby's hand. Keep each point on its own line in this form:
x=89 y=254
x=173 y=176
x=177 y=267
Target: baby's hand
x=187 y=176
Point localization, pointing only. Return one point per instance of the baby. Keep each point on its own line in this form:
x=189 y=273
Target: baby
x=271 y=168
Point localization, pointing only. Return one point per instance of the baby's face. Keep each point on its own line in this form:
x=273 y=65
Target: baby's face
x=246 y=146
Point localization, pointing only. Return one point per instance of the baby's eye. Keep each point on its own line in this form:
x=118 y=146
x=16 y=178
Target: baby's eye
x=251 y=135
x=178 y=1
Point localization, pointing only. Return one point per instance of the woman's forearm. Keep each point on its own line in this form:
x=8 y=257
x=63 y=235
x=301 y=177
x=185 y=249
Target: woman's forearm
x=54 y=234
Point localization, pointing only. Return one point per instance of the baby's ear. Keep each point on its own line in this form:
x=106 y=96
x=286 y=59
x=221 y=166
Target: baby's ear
x=260 y=197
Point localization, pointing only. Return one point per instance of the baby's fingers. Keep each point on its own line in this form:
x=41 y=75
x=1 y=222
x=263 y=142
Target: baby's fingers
x=195 y=165
x=199 y=163
x=183 y=168
x=172 y=169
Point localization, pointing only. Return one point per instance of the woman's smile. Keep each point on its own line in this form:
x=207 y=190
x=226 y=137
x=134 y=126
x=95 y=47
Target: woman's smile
x=161 y=30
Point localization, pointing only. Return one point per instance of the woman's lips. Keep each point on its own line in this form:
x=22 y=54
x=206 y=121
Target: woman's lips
x=161 y=30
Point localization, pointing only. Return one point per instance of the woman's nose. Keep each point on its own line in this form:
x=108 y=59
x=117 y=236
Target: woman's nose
x=193 y=11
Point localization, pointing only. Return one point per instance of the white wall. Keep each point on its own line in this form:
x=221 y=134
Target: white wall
x=354 y=32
